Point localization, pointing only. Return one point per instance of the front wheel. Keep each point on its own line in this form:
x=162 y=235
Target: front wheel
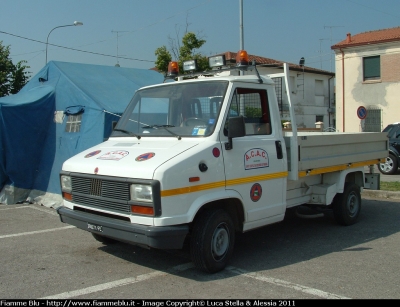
x=347 y=205
x=212 y=240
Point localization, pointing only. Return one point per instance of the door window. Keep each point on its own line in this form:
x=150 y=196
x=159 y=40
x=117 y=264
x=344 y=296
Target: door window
x=252 y=104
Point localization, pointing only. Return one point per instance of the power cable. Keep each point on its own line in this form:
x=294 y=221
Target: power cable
x=107 y=55
x=74 y=49
x=397 y=16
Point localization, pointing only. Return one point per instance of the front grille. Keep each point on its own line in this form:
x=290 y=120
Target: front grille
x=113 y=216
x=99 y=187
x=95 y=187
x=101 y=193
x=101 y=203
x=111 y=194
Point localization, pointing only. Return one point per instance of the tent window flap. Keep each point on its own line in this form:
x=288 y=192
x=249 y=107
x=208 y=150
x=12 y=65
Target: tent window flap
x=74 y=110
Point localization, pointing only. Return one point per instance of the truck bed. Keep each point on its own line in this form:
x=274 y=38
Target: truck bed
x=325 y=149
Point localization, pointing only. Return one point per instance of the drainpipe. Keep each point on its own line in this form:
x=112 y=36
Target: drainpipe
x=348 y=40
x=329 y=101
x=341 y=50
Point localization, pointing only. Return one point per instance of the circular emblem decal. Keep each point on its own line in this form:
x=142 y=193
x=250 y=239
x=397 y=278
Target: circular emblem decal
x=255 y=192
x=96 y=170
x=145 y=156
x=93 y=153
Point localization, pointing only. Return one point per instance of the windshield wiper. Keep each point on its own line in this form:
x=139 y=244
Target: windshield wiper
x=178 y=136
x=163 y=127
x=128 y=132
x=157 y=126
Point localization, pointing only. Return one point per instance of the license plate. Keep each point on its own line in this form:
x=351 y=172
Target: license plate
x=94 y=227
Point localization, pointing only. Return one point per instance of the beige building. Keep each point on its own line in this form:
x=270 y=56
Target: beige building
x=312 y=91
x=368 y=80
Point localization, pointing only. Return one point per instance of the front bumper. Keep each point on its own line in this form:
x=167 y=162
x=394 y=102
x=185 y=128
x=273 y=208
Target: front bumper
x=165 y=237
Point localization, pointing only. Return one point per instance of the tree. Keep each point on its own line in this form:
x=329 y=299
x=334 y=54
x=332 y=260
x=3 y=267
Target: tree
x=163 y=58
x=184 y=52
x=12 y=77
x=19 y=77
x=6 y=66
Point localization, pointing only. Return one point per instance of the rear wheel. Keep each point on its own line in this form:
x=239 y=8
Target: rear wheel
x=347 y=205
x=389 y=167
x=212 y=240
x=103 y=239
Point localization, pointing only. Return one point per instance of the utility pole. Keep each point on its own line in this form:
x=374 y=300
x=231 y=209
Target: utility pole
x=117 y=44
x=330 y=27
x=241 y=24
x=241 y=28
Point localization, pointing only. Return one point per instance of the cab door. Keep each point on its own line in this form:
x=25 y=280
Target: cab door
x=255 y=166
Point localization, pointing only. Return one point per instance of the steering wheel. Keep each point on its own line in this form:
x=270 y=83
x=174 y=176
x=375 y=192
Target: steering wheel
x=195 y=121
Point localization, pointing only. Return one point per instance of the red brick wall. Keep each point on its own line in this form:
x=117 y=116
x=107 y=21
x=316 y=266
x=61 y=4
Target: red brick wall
x=390 y=67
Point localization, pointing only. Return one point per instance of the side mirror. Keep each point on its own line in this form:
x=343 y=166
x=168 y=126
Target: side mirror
x=236 y=129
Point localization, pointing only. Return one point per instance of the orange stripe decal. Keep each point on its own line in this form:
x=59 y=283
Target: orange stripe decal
x=338 y=167
x=220 y=184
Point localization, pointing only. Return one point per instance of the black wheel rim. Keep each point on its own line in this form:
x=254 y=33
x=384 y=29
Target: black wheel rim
x=352 y=204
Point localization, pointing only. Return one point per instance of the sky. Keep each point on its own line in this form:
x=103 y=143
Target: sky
x=128 y=32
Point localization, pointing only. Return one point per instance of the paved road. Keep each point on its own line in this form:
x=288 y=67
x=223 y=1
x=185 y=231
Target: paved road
x=296 y=259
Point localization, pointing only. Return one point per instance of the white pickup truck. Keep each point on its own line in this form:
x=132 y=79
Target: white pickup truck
x=200 y=159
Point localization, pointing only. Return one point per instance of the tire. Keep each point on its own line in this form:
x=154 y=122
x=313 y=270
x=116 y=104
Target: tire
x=212 y=240
x=103 y=239
x=390 y=166
x=347 y=205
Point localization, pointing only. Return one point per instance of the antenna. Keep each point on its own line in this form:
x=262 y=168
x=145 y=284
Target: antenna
x=330 y=27
x=320 y=49
x=117 y=44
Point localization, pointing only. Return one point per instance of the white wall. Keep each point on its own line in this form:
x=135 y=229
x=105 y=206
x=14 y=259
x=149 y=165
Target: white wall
x=383 y=93
x=309 y=96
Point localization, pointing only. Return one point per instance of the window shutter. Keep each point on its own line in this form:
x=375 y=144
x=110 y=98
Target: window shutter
x=372 y=68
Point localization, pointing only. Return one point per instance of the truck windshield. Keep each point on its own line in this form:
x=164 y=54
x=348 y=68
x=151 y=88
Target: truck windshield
x=188 y=109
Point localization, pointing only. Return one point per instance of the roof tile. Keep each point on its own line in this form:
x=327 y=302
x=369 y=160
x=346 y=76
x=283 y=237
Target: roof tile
x=371 y=37
x=231 y=57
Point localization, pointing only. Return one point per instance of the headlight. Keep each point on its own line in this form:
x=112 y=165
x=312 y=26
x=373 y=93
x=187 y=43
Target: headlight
x=65 y=183
x=141 y=192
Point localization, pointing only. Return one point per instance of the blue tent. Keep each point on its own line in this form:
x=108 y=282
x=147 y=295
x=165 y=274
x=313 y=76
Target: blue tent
x=64 y=109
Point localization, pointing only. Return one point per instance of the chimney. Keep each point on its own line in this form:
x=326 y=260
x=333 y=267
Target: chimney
x=348 y=40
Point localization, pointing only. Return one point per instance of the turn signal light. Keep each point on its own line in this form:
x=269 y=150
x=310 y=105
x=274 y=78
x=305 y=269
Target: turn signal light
x=67 y=196
x=142 y=210
x=242 y=58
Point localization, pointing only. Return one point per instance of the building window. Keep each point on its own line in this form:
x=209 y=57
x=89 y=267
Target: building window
x=73 y=123
x=319 y=88
x=373 y=121
x=372 y=68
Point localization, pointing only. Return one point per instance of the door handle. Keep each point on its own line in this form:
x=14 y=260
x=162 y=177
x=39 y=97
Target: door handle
x=279 y=153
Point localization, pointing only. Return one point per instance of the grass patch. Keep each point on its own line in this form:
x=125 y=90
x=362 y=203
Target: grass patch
x=390 y=186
